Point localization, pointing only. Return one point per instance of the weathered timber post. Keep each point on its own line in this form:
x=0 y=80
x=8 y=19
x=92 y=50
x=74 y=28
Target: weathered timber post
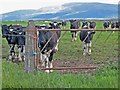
x=31 y=60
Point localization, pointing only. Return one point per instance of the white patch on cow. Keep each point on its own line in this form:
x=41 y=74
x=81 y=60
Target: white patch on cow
x=55 y=24
x=42 y=61
x=10 y=57
x=42 y=27
x=47 y=64
x=20 y=33
x=58 y=40
x=44 y=56
x=51 y=66
x=88 y=32
x=37 y=32
x=75 y=39
x=11 y=30
x=89 y=48
x=56 y=47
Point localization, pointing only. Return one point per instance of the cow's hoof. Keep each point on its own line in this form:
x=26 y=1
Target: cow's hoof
x=75 y=39
x=89 y=53
x=51 y=67
x=84 y=54
x=23 y=59
x=51 y=70
x=72 y=40
x=47 y=71
x=20 y=60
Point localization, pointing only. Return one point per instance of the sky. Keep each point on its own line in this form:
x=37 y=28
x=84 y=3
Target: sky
x=12 y=5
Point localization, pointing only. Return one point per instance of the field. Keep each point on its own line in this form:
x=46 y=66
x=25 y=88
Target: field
x=104 y=55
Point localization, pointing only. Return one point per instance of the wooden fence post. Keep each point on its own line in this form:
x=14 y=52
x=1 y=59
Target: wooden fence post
x=31 y=48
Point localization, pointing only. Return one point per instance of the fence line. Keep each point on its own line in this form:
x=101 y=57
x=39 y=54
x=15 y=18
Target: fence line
x=33 y=31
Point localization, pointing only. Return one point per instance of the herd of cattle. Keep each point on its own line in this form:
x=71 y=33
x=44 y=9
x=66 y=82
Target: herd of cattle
x=15 y=36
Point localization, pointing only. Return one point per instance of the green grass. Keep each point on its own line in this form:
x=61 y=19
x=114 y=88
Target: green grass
x=23 y=23
x=14 y=76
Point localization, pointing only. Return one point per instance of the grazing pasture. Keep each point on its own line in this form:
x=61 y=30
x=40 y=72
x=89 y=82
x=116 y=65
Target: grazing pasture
x=104 y=54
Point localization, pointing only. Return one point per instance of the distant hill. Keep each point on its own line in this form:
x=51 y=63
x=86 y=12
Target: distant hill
x=66 y=11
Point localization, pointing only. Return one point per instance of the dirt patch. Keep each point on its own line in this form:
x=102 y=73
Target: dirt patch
x=75 y=63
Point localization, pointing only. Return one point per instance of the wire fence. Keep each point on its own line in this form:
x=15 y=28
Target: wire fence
x=69 y=56
x=71 y=53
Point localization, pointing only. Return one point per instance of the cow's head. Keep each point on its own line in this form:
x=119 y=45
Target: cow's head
x=55 y=25
x=5 y=31
x=84 y=24
x=85 y=27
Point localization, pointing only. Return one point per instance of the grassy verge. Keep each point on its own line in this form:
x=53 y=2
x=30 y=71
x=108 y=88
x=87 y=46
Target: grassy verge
x=15 y=77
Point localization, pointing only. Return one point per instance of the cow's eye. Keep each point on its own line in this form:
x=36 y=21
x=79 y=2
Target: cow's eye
x=11 y=30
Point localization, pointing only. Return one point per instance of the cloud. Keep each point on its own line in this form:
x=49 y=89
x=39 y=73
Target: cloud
x=11 y=5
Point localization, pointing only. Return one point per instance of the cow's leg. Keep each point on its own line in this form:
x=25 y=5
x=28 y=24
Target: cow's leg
x=46 y=62
x=89 y=48
x=75 y=36
x=23 y=53
x=43 y=57
x=51 y=60
x=56 y=47
x=19 y=54
x=84 y=48
x=12 y=52
x=113 y=29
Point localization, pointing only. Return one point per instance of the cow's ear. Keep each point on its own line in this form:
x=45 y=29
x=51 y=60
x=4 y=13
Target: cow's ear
x=9 y=25
x=50 y=23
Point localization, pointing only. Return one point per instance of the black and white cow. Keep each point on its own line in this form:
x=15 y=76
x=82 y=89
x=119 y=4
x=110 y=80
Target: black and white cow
x=113 y=25
x=86 y=37
x=48 y=43
x=92 y=25
x=14 y=35
x=74 y=24
x=106 y=24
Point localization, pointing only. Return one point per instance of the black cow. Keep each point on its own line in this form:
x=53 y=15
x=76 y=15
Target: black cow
x=74 y=24
x=14 y=35
x=117 y=24
x=92 y=25
x=64 y=23
x=86 y=37
x=48 y=43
